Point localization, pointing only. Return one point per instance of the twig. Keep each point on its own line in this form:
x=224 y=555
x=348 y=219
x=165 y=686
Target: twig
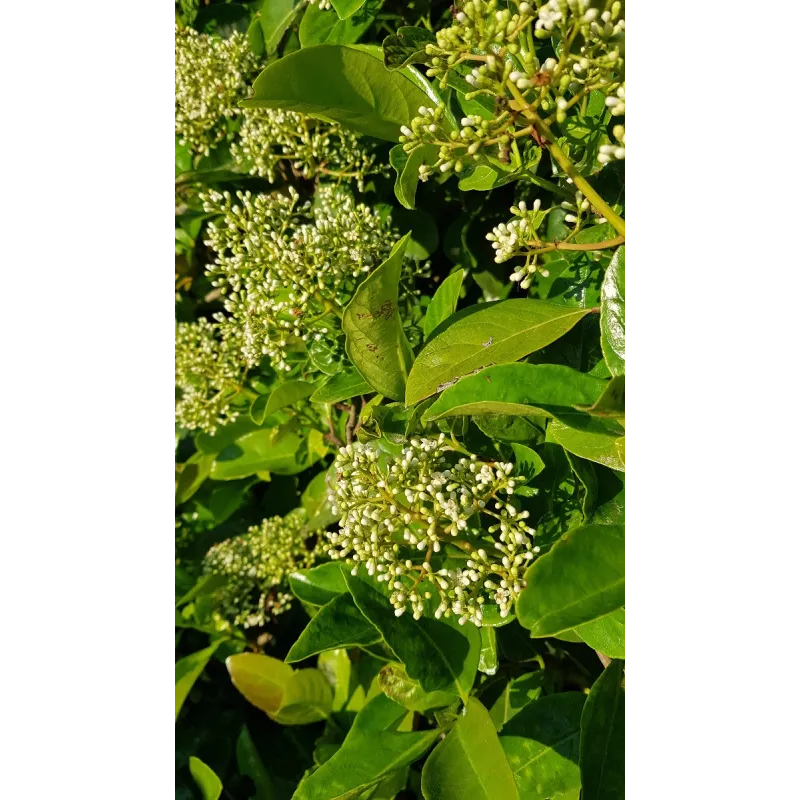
x=351 y=421
x=604 y=659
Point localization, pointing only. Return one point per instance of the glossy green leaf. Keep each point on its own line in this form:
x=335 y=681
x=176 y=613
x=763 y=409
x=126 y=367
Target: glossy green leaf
x=581 y=579
x=276 y=16
x=376 y=343
x=358 y=91
x=346 y=8
x=318 y=585
x=289 y=697
x=372 y=750
x=607 y=634
x=612 y=313
x=602 y=757
x=208 y=783
x=338 y=623
x=439 y=654
x=595 y=441
x=257 y=452
x=320 y=27
x=488 y=659
x=396 y=684
x=188 y=670
x=250 y=764
x=494 y=333
x=407 y=168
x=533 y=390
x=469 y=763
x=444 y=302
x=407 y=46
x=515 y=696
x=542 y=744
x=348 y=383
x=611 y=402
x=336 y=667
x=286 y=394
x=195 y=471
x=527 y=462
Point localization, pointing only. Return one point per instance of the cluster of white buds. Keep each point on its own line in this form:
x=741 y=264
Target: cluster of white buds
x=613 y=152
x=211 y=76
x=257 y=565
x=208 y=375
x=312 y=148
x=287 y=268
x=416 y=521
x=322 y=5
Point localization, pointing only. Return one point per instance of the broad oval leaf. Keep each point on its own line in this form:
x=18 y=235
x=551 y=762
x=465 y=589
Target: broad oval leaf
x=606 y=635
x=207 y=781
x=542 y=744
x=480 y=336
x=318 y=585
x=188 y=670
x=289 y=697
x=320 y=27
x=595 y=441
x=348 y=383
x=581 y=579
x=602 y=756
x=372 y=750
x=533 y=390
x=255 y=452
x=396 y=684
x=337 y=624
x=434 y=652
x=612 y=314
x=376 y=343
x=357 y=90
x=469 y=763
x=287 y=394
x=443 y=303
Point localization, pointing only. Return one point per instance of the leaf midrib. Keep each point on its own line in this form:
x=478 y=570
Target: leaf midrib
x=562 y=609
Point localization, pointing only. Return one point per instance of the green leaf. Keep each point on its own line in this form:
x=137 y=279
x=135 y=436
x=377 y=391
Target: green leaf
x=347 y=384
x=602 y=756
x=372 y=750
x=194 y=473
x=438 y=654
x=444 y=301
x=606 y=634
x=338 y=623
x=407 y=46
x=346 y=8
x=289 y=697
x=407 y=168
x=208 y=783
x=319 y=585
x=285 y=394
x=396 y=684
x=276 y=16
x=188 y=670
x=257 y=452
x=612 y=313
x=581 y=579
x=611 y=402
x=470 y=762
x=527 y=462
x=595 y=441
x=516 y=695
x=488 y=661
x=322 y=27
x=476 y=337
x=250 y=764
x=532 y=390
x=376 y=343
x=542 y=744
x=357 y=90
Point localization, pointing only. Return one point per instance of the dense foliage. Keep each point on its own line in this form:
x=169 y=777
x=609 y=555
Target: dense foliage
x=400 y=376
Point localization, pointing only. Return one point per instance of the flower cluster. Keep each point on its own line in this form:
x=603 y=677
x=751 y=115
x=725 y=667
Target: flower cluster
x=208 y=375
x=417 y=519
x=489 y=48
x=270 y=136
x=211 y=76
x=256 y=566
x=286 y=268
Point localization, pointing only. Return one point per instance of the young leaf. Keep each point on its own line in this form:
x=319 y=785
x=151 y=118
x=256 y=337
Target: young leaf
x=434 y=652
x=607 y=634
x=348 y=383
x=376 y=343
x=532 y=390
x=407 y=46
x=469 y=763
x=407 y=168
x=250 y=764
x=595 y=441
x=542 y=744
x=289 y=697
x=188 y=670
x=444 y=301
x=612 y=313
x=494 y=333
x=208 y=783
x=581 y=579
x=602 y=756
x=372 y=750
x=338 y=623
x=357 y=90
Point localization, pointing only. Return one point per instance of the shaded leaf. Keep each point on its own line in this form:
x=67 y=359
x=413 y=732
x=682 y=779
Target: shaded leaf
x=195 y=471
x=612 y=313
x=321 y=27
x=346 y=384
x=320 y=584
x=444 y=301
x=407 y=168
x=346 y=8
x=606 y=634
x=396 y=684
x=595 y=441
x=276 y=16
x=250 y=764
x=258 y=452
x=208 y=783
x=188 y=670
x=407 y=46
